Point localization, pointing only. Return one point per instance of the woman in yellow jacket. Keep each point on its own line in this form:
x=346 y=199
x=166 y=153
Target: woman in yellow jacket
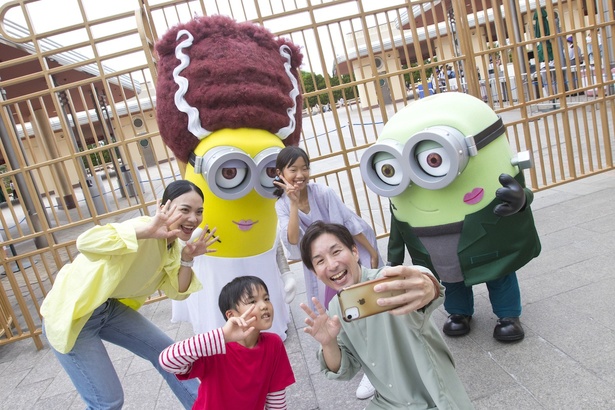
x=95 y=297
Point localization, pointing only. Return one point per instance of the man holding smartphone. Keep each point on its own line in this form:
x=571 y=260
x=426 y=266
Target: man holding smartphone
x=401 y=351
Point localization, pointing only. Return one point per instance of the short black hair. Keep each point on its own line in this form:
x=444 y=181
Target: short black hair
x=238 y=289
x=317 y=229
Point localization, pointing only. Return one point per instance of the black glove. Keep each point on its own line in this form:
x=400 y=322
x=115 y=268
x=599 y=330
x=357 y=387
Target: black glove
x=512 y=196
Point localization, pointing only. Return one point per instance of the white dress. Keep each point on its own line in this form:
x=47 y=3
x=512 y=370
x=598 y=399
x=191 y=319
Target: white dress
x=201 y=308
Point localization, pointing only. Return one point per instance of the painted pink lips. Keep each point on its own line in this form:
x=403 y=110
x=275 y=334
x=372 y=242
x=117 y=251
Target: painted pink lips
x=245 y=225
x=474 y=197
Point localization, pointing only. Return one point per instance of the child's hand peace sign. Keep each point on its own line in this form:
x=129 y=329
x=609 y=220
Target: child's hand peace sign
x=238 y=328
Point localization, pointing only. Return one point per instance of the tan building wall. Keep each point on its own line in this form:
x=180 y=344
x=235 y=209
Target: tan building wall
x=140 y=131
x=392 y=88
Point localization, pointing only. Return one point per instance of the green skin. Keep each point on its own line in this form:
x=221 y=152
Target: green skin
x=422 y=207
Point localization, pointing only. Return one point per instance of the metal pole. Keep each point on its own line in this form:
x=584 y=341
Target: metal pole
x=109 y=138
x=606 y=41
x=28 y=204
x=453 y=25
x=65 y=104
x=521 y=53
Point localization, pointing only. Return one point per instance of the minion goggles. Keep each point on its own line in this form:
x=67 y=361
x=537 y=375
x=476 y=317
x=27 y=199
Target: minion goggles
x=231 y=173
x=431 y=158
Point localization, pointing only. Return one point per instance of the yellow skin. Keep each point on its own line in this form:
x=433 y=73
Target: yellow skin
x=225 y=214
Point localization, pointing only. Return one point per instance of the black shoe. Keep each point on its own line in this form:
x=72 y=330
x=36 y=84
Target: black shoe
x=508 y=329
x=457 y=325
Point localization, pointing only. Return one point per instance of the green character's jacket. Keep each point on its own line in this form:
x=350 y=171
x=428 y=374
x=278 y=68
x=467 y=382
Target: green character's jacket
x=489 y=248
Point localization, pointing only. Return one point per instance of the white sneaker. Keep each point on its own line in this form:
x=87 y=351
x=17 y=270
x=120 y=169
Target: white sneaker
x=365 y=389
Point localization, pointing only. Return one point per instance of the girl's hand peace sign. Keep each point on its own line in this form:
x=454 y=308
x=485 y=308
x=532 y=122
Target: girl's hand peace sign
x=292 y=191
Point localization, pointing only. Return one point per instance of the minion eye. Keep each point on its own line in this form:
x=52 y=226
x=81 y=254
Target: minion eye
x=231 y=174
x=267 y=175
x=388 y=169
x=266 y=171
x=433 y=159
x=384 y=169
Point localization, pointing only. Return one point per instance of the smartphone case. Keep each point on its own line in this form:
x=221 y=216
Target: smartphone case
x=359 y=301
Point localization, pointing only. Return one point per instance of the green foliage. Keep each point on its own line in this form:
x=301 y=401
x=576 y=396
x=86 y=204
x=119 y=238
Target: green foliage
x=314 y=82
x=416 y=74
x=347 y=93
x=96 y=157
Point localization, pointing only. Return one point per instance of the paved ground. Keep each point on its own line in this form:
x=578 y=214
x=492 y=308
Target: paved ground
x=567 y=360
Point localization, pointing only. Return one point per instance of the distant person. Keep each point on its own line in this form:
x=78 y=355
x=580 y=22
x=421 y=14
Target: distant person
x=450 y=73
x=95 y=298
x=13 y=190
x=590 y=47
x=441 y=75
x=575 y=56
x=241 y=366
x=433 y=79
x=300 y=203
x=401 y=351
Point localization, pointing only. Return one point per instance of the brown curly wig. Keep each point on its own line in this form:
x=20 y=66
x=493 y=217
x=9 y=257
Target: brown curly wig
x=238 y=75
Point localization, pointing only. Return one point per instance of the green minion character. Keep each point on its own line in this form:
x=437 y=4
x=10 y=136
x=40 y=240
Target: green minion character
x=458 y=202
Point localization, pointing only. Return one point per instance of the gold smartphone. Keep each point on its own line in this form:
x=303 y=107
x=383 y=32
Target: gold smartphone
x=359 y=301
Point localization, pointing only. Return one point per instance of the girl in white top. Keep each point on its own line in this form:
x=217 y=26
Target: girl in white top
x=301 y=203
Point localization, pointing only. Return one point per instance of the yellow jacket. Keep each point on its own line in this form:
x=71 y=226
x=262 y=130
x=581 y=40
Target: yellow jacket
x=112 y=264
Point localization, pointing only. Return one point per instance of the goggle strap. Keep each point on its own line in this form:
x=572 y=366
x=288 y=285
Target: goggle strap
x=483 y=138
x=196 y=162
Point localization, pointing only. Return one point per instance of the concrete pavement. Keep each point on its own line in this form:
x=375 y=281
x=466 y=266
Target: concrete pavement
x=567 y=360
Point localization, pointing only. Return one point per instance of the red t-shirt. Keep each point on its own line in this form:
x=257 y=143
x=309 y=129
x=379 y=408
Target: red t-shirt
x=242 y=378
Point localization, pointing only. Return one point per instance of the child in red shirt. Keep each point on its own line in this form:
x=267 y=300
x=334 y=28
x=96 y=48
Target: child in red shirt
x=240 y=366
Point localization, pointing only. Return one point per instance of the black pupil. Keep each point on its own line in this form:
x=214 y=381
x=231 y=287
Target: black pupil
x=388 y=170
x=229 y=173
x=434 y=160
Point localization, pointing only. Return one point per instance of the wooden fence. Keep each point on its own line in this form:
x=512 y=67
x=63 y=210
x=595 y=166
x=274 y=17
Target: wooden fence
x=80 y=145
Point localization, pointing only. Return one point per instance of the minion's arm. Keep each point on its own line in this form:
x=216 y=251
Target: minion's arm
x=515 y=198
x=396 y=247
